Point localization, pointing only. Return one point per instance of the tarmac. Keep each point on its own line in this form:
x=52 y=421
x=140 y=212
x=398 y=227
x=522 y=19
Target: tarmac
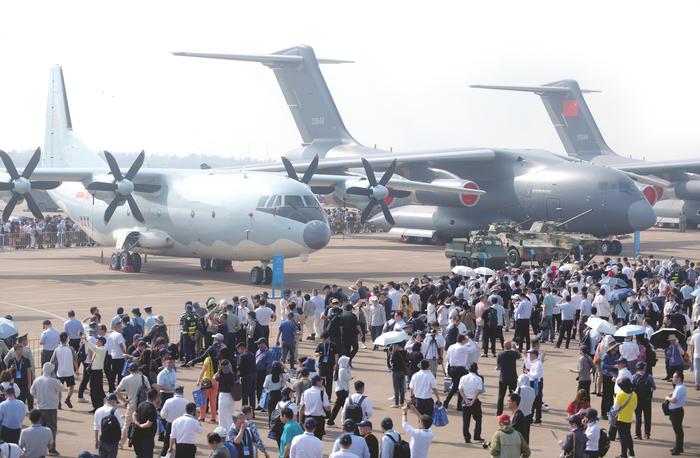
x=40 y=284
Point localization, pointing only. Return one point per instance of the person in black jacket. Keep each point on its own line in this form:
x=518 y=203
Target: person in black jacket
x=247 y=373
x=145 y=421
x=399 y=369
x=517 y=418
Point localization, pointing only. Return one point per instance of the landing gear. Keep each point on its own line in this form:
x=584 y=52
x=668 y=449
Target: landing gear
x=128 y=262
x=216 y=265
x=267 y=276
x=256 y=275
x=616 y=247
x=261 y=275
x=605 y=248
x=205 y=263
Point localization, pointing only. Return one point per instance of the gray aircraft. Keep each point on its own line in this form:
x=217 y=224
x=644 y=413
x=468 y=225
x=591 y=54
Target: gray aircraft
x=582 y=139
x=521 y=184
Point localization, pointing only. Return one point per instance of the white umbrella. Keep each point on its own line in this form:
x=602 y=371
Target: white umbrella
x=7 y=328
x=629 y=330
x=390 y=337
x=484 y=271
x=464 y=271
x=569 y=266
x=601 y=326
x=614 y=281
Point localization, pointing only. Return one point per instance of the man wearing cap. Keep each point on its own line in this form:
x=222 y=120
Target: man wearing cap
x=507 y=439
x=49 y=340
x=575 y=441
x=344 y=443
x=622 y=373
x=358 y=446
x=172 y=409
x=389 y=438
x=130 y=386
x=365 y=428
x=315 y=404
x=137 y=321
x=306 y=445
x=12 y=412
x=188 y=332
x=149 y=321
x=106 y=447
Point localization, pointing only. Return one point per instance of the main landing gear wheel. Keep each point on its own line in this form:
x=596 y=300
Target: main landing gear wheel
x=256 y=275
x=125 y=259
x=205 y=263
x=115 y=262
x=267 y=276
x=616 y=247
x=606 y=248
x=136 y=262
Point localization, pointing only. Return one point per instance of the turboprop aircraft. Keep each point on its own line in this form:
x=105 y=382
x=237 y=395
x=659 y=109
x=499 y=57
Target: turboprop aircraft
x=218 y=216
x=521 y=184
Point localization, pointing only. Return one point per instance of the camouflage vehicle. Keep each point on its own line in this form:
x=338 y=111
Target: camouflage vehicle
x=581 y=245
x=527 y=246
x=478 y=250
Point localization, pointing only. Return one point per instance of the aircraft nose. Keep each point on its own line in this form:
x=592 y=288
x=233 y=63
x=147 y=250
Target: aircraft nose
x=641 y=215
x=317 y=234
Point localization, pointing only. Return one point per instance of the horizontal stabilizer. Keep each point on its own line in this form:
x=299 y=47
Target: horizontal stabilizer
x=262 y=58
x=535 y=89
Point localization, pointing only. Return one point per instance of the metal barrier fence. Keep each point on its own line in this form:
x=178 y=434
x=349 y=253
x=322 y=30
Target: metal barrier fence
x=23 y=241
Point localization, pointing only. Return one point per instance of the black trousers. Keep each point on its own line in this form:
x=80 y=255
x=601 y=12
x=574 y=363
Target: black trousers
x=502 y=394
x=567 y=327
x=265 y=331
x=425 y=406
x=320 y=425
x=325 y=371
x=85 y=379
x=676 y=417
x=185 y=450
x=259 y=381
x=10 y=435
x=643 y=410
x=499 y=335
x=626 y=443
x=166 y=437
x=522 y=332
x=468 y=412
x=340 y=397
x=114 y=375
x=97 y=392
x=248 y=390
x=489 y=338
x=585 y=385
x=556 y=326
x=350 y=347
x=607 y=401
x=143 y=447
x=537 y=405
x=75 y=343
x=455 y=373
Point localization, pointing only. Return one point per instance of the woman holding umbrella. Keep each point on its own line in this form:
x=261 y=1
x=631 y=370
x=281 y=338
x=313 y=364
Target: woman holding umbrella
x=674 y=357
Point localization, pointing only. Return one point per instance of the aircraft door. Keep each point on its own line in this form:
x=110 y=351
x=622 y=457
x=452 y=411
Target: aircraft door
x=554 y=209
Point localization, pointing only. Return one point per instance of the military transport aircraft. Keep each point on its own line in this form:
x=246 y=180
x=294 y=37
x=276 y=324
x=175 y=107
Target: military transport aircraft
x=578 y=131
x=521 y=184
x=215 y=215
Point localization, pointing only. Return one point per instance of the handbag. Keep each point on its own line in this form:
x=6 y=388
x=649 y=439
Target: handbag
x=236 y=391
x=612 y=415
x=440 y=416
x=264 y=396
x=199 y=398
x=687 y=363
x=206 y=384
x=665 y=407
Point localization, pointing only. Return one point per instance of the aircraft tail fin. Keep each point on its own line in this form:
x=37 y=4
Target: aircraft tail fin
x=570 y=115
x=61 y=147
x=304 y=89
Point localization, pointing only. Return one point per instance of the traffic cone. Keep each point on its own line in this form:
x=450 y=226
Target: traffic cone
x=102 y=256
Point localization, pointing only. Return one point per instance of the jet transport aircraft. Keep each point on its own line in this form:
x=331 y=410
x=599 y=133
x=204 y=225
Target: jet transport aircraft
x=521 y=184
x=215 y=215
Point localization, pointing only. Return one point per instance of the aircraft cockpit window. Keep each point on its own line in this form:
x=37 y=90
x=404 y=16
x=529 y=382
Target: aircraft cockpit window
x=311 y=201
x=276 y=203
x=262 y=200
x=293 y=201
x=626 y=187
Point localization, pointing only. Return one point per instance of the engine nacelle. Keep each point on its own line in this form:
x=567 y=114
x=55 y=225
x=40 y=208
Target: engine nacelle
x=155 y=240
x=650 y=193
x=443 y=199
x=688 y=190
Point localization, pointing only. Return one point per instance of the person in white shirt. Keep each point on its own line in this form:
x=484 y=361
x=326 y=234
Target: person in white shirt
x=535 y=374
x=184 y=432
x=457 y=363
x=315 y=404
x=602 y=305
x=694 y=350
x=359 y=398
x=434 y=346
x=590 y=421
x=470 y=387
x=172 y=409
x=307 y=445
x=358 y=444
x=106 y=448
x=50 y=339
x=395 y=295
x=630 y=351
x=522 y=313
x=622 y=373
x=66 y=363
x=264 y=316
x=130 y=386
x=376 y=317
x=423 y=387
x=568 y=313
x=421 y=437
x=344 y=443
x=116 y=348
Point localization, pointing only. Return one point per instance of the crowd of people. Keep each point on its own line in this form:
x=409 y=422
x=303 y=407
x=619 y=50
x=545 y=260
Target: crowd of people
x=429 y=328
x=51 y=232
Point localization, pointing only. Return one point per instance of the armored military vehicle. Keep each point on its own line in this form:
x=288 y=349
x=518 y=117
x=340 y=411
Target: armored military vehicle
x=527 y=246
x=577 y=243
x=479 y=249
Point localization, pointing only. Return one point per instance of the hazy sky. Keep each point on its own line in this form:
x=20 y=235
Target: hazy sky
x=408 y=88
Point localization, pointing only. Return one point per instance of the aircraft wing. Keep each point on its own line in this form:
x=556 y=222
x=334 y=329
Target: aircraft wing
x=382 y=160
x=87 y=175
x=394 y=183
x=660 y=168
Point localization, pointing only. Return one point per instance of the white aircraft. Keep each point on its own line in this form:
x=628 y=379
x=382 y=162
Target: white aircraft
x=216 y=215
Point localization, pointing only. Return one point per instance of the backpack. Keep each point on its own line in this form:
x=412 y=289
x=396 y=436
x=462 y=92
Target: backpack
x=111 y=430
x=141 y=393
x=586 y=341
x=354 y=410
x=603 y=443
x=276 y=426
x=491 y=318
x=401 y=448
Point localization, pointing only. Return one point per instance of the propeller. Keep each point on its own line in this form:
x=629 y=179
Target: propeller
x=123 y=186
x=306 y=178
x=377 y=191
x=21 y=185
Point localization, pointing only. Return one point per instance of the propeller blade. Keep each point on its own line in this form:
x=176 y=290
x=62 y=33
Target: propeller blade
x=44 y=185
x=399 y=193
x=388 y=173
x=368 y=209
x=6 y=186
x=7 y=212
x=135 y=166
x=33 y=207
x=31 y=165
x=9 y=165
x=355 y=190
x=112 y=207
x=291 y=173
x=310 y=170
x=135 y=208
x=387 y=213
x=148 y=188
x=99 y=186
x=370 y=172
x=113 y=167
x=322 y=189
